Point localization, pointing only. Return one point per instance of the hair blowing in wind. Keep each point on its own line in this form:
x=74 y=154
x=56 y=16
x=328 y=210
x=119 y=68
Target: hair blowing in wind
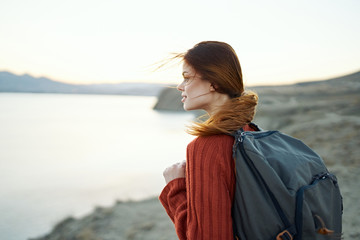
x=218 y=63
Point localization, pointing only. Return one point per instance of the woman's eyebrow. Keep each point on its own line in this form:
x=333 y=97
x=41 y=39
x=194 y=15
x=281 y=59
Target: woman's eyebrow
x=185 y=72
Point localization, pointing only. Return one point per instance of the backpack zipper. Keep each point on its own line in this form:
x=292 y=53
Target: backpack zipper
x=288 y=226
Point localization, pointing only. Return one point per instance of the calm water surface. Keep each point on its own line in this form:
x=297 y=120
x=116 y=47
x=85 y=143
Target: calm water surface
x=63 y=155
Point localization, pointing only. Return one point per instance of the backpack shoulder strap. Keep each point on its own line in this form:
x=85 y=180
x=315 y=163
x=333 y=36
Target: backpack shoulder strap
x=251 y=125
x=255 y=127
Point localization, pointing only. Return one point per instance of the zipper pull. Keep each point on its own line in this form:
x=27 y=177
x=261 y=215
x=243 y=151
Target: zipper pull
x=242 y=136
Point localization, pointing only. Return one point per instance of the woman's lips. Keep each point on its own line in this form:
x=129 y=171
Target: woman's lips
x=183 y=99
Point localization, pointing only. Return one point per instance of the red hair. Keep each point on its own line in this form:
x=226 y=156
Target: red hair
x=218 y=63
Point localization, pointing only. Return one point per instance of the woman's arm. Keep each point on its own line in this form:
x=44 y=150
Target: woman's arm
x=200 y=207
x=173 y=196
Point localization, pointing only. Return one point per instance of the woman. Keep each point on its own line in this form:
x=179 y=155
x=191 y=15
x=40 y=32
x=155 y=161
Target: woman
x=199 y=192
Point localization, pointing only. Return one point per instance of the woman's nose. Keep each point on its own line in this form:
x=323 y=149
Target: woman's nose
x=180 y=87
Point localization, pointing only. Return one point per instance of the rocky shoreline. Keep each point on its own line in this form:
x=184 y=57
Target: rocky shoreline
x=148 y=221
x=324 y=114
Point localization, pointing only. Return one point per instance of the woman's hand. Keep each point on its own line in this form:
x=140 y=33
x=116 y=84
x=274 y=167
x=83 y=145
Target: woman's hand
x=177 y=170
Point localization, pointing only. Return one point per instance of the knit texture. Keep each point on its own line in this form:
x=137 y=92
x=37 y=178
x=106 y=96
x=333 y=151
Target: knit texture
x=200 y=204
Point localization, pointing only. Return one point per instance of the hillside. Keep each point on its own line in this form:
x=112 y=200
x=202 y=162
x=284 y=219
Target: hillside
x=25 y=83
x=170 y=99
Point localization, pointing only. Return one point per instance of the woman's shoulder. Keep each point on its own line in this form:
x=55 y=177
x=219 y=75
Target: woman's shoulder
x=211 y=141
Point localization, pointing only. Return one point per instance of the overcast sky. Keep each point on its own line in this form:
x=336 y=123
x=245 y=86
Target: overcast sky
x=106 y=41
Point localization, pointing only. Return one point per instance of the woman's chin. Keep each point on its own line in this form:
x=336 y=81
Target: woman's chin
x=185 y=108
x=189 y=108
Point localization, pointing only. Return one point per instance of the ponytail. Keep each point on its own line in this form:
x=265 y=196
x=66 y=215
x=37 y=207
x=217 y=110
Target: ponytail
x=234 y=114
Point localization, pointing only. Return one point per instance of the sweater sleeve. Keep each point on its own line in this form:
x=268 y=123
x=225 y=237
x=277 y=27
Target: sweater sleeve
x=200 y=206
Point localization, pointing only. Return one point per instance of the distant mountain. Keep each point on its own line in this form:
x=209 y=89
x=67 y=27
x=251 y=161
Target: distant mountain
x=10 y=82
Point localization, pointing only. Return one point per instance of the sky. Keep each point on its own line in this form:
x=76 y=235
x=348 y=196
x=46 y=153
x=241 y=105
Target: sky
x=111 y=41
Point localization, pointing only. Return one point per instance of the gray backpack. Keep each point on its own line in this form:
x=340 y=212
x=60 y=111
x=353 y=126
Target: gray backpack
x=283 y=190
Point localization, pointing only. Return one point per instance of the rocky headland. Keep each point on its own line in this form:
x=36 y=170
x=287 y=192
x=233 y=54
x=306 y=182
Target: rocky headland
x=324 y=114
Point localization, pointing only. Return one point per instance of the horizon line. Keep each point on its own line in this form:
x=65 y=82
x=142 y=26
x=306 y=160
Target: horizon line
x=174 y=83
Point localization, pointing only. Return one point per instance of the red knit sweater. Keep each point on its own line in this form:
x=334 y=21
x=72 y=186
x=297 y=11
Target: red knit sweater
x=200 y=204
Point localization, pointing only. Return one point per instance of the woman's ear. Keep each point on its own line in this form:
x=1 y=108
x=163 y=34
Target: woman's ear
x=212 y=88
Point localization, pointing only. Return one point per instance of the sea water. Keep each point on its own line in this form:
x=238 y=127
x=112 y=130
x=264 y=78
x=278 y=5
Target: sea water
x=62 y=155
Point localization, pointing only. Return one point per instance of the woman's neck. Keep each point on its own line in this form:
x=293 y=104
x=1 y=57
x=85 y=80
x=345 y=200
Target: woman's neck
x=218 y=101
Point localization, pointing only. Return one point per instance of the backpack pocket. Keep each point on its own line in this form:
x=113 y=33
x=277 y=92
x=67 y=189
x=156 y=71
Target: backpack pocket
x=316 y=204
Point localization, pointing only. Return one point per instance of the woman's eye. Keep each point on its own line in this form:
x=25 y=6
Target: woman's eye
x=186 y=80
